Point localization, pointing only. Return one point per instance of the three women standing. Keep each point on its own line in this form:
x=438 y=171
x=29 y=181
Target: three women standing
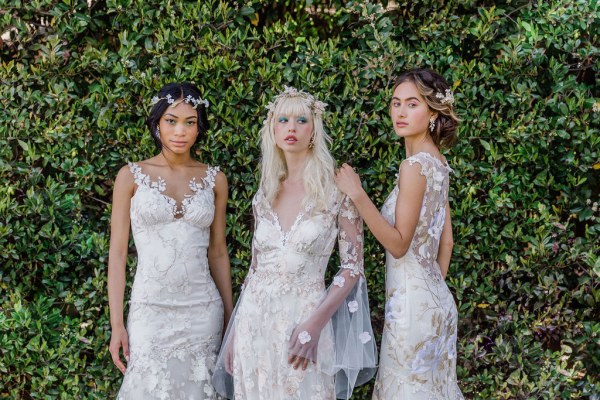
x=181 y=296
x=291 y=337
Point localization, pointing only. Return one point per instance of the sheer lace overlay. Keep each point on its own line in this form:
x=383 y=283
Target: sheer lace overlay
x=418 y=349
x=284 y=287
x=176 y=312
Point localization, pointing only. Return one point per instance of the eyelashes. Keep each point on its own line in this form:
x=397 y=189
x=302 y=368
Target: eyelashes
x=300 y=120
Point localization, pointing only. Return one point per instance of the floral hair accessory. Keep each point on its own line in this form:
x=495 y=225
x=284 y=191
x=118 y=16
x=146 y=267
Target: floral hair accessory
x=318 y=107
x=188 y=100
x=448 y=98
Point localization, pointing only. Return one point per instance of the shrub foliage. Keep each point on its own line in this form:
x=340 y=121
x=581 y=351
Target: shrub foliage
x=77 y=77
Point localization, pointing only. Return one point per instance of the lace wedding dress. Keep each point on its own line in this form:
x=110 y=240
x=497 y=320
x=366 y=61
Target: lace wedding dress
x=285 y=286
x=176 y=313
x=418 y=349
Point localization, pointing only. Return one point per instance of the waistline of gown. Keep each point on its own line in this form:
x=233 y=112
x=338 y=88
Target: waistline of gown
x=287 y=255
x=290 y=272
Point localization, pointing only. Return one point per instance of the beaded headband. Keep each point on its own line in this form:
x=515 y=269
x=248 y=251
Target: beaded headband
x=318 y=107
x=188 y=100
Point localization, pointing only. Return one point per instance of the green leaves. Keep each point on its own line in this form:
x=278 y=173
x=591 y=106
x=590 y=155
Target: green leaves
x=76 y=83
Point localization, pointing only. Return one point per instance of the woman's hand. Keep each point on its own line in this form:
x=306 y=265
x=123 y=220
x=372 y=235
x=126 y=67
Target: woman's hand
x=303 y=344
x=229 y=356
x=118 y=339
x=348 y=181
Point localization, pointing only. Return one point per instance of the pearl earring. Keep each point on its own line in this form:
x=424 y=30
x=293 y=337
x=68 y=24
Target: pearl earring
x=157 y=132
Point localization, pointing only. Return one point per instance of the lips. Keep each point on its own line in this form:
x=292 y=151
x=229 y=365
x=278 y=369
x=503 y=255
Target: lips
x=291 y=139
x=401 y=124
x=175 y=143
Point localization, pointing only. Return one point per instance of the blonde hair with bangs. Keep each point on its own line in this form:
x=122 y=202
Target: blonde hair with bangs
x=319 y=168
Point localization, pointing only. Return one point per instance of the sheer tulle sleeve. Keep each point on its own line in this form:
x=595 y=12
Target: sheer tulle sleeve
x=344 y=310
x=222 y=380
x=355 y=349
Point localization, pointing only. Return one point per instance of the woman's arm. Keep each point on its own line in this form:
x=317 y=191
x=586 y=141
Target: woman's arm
x=218 y=258
x=303 y=349
x=446 y=244
x=397 y=238
x=117 y=260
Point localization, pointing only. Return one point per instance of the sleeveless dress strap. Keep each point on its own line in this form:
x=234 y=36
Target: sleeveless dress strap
x=138 y=176
x=209 y=179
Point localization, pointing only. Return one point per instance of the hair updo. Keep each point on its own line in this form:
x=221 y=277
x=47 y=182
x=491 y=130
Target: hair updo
x=176 y=91
x=435 y=90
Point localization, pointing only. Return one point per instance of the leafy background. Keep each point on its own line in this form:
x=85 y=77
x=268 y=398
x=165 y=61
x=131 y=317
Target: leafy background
x=76 y=78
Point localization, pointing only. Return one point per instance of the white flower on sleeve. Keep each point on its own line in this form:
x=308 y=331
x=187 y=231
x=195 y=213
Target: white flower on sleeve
x=304 y=337
x=353 y=306
x=339 y=281
x=365 y=337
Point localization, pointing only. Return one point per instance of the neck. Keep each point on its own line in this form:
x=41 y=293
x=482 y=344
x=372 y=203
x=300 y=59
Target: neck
x=175 y=160
x=418 y=143
x=295 y=166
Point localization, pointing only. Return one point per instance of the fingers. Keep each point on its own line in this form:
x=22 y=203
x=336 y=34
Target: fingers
x=126 y=348
x=345 y=170
x=299 y=361
x=116 y=359
x=229 y=362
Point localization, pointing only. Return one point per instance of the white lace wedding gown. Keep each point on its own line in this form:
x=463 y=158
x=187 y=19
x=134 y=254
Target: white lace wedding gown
x=176 y=313
x=418 y=349
x=285 y=286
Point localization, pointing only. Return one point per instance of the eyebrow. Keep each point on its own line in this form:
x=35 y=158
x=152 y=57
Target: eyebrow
x=176 y=116
x=410 y=98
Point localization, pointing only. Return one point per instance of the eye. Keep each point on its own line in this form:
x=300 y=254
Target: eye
x=191 y=123
x=282 y=119
x=395 y=104
x=412 y=105
x=302 y=120
x=170 y=121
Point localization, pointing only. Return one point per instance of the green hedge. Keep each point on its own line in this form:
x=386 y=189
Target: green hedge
x=76 y=83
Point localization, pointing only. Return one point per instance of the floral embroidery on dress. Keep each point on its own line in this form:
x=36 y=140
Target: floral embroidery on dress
x=418 y=349
x=285 y=285
x=176 y=313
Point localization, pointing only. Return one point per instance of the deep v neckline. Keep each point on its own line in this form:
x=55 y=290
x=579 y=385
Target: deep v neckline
x=285 y=235
x=178 y=208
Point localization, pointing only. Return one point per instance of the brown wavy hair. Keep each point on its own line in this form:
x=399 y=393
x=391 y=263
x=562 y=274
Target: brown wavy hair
x=429 y=83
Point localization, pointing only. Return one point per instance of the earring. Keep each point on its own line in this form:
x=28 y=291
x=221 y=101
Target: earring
x=157 y=132
x=311 y=144
x=432 y=124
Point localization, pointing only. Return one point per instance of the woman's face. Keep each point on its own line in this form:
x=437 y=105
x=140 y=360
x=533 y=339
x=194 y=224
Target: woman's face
x=179 y=128
x=409 y=111
x=293 y=132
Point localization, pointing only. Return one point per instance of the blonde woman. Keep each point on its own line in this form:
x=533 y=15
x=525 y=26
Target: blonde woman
x=291 y=337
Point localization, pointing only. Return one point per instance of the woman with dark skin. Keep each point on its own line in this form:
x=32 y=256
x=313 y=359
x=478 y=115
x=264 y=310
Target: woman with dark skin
x=181 y=296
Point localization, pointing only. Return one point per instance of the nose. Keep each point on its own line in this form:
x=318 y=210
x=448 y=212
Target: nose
x=179 y=129
x=402 y=110
x=292 y=127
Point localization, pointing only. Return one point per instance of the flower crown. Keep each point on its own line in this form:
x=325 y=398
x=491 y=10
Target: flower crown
x=318 y=107
x=189 y=99
x=448 y=98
